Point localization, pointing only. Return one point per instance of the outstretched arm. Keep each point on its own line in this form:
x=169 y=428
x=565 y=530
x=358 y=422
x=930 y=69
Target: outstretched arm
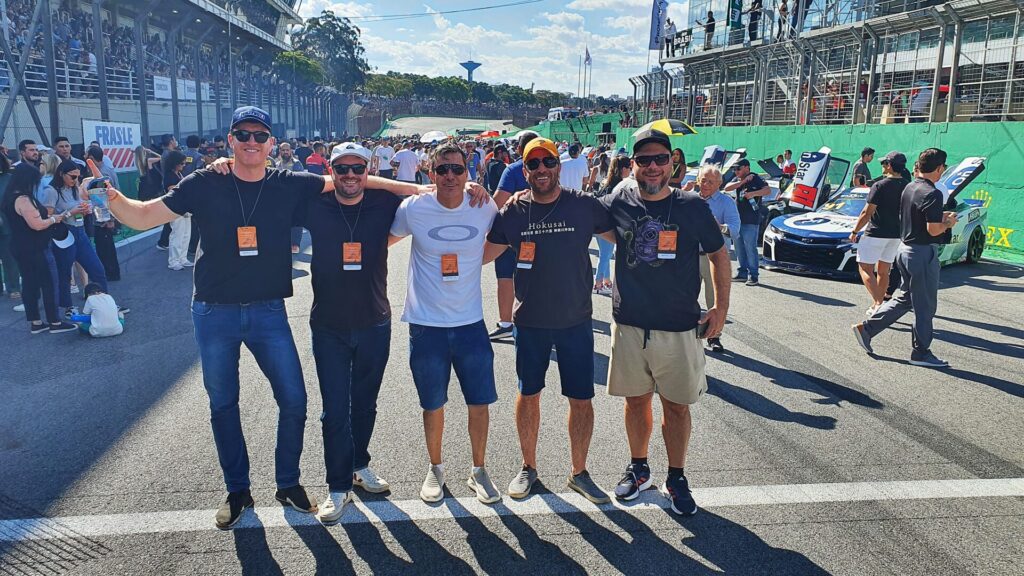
x=136 y=214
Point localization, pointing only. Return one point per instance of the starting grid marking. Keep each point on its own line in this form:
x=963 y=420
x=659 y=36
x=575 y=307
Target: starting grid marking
x=386 y=511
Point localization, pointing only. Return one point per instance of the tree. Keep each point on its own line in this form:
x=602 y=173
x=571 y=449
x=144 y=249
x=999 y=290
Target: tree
x=303 y=67
x=483 y=92
x=334 y=42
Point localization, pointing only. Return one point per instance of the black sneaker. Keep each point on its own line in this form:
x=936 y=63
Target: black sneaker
x=500 y=332
x=161 y=247
x=752 y=282
x=124 y=309
x=297 y=498
x=678 y=492
x=715 y=345
x=230 y=512
x=739 y=278
x=72 y=311
x=927 y=359
x=636 y=479
x=61 y=327
x=37 y=328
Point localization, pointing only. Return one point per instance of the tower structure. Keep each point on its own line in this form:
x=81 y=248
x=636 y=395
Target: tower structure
x=469 y=65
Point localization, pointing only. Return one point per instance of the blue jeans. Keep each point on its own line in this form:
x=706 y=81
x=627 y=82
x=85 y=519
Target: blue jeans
x=575 y=348
x=82 y=252
x=604 y=262
x=220 y=331
x=350 y=366
x=434 y=351
x=746 y=251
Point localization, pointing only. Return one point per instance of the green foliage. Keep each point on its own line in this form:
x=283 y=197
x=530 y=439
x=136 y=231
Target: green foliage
x=302 y=66
x=334 y=42
x=457 y=89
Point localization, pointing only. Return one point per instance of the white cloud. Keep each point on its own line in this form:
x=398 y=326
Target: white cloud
x=566 y=18
x=346 y=9
x=614 y=5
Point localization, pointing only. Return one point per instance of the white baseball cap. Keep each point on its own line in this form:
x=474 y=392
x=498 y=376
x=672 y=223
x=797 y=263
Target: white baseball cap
x=350 y=149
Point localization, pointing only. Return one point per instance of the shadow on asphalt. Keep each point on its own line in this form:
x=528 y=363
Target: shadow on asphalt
x=253 y=552
x=969 y=275
x=809 y=297
x=757 y=404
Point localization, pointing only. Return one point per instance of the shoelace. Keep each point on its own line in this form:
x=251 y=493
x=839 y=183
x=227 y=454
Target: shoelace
x=368 y=476
x=629 y=476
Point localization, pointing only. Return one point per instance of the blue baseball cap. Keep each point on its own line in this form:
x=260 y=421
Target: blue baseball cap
x=251 y=114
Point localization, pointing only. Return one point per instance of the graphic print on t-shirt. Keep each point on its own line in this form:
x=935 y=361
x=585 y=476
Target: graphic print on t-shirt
x=642 y=240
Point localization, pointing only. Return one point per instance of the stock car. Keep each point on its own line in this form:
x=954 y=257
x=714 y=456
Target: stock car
x=818 y=242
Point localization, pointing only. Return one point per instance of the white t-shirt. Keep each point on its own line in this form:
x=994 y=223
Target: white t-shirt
x=436 y=230
x=105 y=320
x=384 y=155
x=407 y=163
x=574 y=170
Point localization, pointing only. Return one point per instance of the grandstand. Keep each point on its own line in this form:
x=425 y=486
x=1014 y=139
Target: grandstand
x=169 y=66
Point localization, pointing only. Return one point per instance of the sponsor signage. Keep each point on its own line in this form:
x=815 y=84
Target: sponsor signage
x=117 y=139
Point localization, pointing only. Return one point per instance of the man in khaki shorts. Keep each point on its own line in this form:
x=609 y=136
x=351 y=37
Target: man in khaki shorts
x=659 y=233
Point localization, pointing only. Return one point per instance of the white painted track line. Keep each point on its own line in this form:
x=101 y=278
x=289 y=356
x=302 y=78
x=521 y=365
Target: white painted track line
x=416 y=510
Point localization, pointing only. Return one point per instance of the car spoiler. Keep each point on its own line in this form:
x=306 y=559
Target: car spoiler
x=955 y=179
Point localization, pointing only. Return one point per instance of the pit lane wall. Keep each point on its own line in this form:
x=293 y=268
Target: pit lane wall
x=1000 y=187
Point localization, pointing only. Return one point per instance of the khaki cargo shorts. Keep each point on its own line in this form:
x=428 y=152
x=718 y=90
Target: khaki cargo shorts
x=669 y=363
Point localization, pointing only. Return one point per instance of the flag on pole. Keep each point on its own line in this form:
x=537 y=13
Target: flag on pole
x=588 y=60
x=659 y=10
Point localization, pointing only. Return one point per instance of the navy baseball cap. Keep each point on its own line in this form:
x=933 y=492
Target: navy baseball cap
x=251 y=114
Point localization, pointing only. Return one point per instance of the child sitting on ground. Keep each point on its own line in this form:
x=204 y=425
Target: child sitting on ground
x=103 y=317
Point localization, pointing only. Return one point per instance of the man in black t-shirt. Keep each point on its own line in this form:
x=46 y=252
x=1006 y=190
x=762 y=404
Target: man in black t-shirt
x=659 y=233
x=749 y=189
x=550 y=229
x=877 y=247
x=923 y=226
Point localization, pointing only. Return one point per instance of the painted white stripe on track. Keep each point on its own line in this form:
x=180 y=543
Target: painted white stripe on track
x=416 y=510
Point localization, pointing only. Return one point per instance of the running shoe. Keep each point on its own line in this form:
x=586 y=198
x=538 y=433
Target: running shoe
x=678 y=492
x=715 y=345
x=433 y=485
x=739 y=278
x=230 y=512
x=752 y=282
x=62 y=327
x=585 y=486
x=161 y=247
x=605 y=290
x=368 y=480
x=333 y=507
x=863 y=338
x=500 y=332
x=37 y=328
x=636 y=479
x=19 y=308
x=521 y=485
x=297 y=498
x=927 y=359
x=480 y=483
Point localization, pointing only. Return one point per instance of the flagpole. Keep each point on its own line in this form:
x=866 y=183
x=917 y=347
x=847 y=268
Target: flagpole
x=584 y=82
x=579 y=76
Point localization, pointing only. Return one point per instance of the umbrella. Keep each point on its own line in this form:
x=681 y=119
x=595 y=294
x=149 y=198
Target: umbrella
x=490 y=134
x=433 y=135
x=670 y=127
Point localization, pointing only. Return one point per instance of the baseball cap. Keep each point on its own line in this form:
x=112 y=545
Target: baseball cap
x=349 y=149
x=542 y=144
x=895 y=159
x=648 y=136
x=251 y=114
x=743 y=162
x=62 y=236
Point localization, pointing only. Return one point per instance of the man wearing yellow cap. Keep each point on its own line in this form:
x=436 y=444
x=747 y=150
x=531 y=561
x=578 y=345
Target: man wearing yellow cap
x=550 y=229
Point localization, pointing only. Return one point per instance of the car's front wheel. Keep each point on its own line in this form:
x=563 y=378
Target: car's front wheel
x=976 y=245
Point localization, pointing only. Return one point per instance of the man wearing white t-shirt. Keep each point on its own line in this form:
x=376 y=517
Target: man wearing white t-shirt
x=383 y=155
x=574 y=169
x=444 y=310
x=406 y=162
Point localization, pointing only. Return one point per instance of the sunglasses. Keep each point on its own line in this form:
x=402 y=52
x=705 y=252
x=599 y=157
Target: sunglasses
x=343 y=169
x=444 y=169
x=549 y=162
x=659 y=159
x=244 y=135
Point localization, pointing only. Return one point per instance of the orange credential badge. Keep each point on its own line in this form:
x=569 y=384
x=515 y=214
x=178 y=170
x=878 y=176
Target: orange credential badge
x=527 y=252
x=352 y=256
x=667 y=244
x=247 y=245
x=449 y=267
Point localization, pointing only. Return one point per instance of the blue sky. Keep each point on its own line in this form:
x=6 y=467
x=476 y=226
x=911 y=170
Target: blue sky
x=535 y=43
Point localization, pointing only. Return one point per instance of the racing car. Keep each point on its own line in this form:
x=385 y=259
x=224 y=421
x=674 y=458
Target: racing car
x=818 y=242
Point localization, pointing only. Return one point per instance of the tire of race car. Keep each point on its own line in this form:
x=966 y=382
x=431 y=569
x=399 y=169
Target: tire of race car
x=975 y=246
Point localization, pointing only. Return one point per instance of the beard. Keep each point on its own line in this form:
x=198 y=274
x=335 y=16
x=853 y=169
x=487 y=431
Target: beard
x=650 y=188
x=347 y=192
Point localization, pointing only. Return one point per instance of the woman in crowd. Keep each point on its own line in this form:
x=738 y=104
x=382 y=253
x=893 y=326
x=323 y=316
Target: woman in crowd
x=599 y=173
x=64 y=196
x=181 y=227
x=30 y=235
x=678 y=168
x=617 y=172
x=10 y=278
x=150 y=179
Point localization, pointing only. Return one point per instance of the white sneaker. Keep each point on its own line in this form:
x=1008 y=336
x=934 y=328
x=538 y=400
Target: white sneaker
x=480 y=483
x=433 y=485
x=333 y=506
x=188 y=263
x=871 y=311
x=19 y=308
x=175 y=267
x=605 y=290
x=368 y=480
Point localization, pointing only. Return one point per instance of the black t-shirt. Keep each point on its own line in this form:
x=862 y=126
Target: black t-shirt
x=350 y=299
x=555 y=293
x=921 y=203
x=651 y=292
x=303 y=152
x=748 y=213
x=495 y=168
x=885 y=195
x=222 y=275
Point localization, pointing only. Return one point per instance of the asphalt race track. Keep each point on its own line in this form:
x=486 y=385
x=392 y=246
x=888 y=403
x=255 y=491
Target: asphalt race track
x=807 y=457
x=423 y=124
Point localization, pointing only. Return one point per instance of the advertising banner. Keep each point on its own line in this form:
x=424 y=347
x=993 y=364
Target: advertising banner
x=162 y=87
x=117 y=139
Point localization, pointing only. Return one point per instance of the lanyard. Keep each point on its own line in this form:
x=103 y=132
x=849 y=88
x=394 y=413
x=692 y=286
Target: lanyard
x=359 y=212
x=643 y=204
x=529 y=210
x=245 y=219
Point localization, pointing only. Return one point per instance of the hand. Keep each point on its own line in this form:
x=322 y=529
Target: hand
x=853 y=238
x=222 y=166
x=724 y=229
x=425 y=188
x=715 y=320
x=58 y=218
x=949 y=219
x=515 y=198
x=689 y=186
x=82 y=209
x=112 y=194
x=478 y=195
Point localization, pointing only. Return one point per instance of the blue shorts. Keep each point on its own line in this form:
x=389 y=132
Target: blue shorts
x=433 y=352
x=575 y=349
x=505 y=265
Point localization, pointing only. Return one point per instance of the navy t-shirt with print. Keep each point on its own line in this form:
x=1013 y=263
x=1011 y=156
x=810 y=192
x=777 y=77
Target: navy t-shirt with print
x=650 y=292
x=556 y=292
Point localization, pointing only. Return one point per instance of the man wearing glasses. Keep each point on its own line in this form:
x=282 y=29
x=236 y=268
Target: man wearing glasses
x=551 y=228
x=244 y=213
x=659 y=234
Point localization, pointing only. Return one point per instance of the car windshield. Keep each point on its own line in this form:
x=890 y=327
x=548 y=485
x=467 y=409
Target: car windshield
x=847 y=203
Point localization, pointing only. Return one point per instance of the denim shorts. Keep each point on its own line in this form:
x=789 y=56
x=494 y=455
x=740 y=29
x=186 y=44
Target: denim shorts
x=574 y=347
x=505 y=265
x=433 y=352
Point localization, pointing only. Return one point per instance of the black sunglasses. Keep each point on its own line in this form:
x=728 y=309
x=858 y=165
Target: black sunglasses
x=244 y=135
x=343 y=169
x=659 y=159
x=443 y=169
x=549 y=162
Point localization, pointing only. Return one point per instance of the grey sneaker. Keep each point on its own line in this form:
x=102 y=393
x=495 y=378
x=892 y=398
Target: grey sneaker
x=480 y=482
x=333 y=506
x=589 y=489
x=520 y=486
x=927 y=359
x=862 y=338
x=433 y=485
x=368 y=480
